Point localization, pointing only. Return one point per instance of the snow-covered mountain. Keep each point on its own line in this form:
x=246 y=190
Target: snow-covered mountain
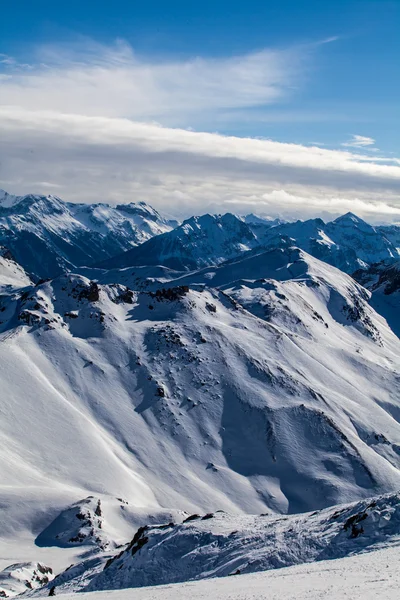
x=254 y=394
x=215 y=367
x=12 y=275
x=197 y=242
x=383 y=280
x=221 y=545
x=48 y=236
x=392 y=233
x=348 y=242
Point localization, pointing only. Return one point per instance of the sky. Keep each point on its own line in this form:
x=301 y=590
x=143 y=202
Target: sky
x=285 y=108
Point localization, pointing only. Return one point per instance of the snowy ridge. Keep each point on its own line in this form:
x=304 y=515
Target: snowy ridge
x=197 y=242
x=12 y=275
x=48 y=236
x=347 y=243
x=220 y=545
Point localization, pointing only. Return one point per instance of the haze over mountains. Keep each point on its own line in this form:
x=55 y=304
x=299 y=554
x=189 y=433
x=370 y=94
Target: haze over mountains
x=163 y=372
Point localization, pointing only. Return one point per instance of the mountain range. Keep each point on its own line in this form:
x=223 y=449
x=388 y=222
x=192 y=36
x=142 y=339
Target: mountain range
x=48 y=236
x=204 y=374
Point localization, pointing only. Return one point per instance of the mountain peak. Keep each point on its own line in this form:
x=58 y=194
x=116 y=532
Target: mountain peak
x=350 y=217
x=7 y=200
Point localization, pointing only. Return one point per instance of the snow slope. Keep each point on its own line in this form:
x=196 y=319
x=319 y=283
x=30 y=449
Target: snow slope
x=12 y=275
x=47 y=235
x=221 y=545
x=383 y=280
x=348 y=242
x=360 y=577
x=265 y=394
x=197 y=242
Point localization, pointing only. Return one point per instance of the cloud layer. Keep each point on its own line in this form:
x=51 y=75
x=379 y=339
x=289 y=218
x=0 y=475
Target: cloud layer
x=76 y=127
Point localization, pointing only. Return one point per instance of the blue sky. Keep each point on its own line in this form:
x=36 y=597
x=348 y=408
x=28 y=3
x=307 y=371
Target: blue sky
x=308 y=73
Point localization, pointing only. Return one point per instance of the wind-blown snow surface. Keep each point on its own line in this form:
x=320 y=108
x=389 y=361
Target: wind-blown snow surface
x=219 y=545
x=362 y=577
x=47 y=235
x=12 y=275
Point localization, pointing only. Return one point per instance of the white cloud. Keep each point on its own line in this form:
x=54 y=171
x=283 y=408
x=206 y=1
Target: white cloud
x=95 y=80
x=74 y=122
x=359 y=141
x=119 y=160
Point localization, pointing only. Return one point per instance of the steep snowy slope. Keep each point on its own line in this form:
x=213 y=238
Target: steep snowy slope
x=220 y=545
x=383 y=280
x=266 y=394
x=199 y=241
x=47 y=235
x=359 y=577
x=12 y=275
x=392 y=233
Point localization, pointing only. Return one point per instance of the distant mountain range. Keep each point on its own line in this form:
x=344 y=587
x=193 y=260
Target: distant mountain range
x=48 y=236
x=348 y=243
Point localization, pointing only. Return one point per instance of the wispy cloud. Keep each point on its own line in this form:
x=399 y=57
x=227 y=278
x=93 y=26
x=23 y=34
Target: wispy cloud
x=94 y=80
x=359 y=141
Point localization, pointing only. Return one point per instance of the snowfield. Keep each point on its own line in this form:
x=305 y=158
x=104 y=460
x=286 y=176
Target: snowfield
x=363 y=577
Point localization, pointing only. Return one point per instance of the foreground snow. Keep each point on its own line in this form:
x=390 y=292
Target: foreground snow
x=363 y=577
x=265 y=385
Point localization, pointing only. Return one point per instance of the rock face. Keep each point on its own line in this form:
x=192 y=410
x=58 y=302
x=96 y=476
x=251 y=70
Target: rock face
x=48 y=236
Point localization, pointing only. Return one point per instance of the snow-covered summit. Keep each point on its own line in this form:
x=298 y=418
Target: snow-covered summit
x=198 y=241
x=48 y=236
x=348 y=242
